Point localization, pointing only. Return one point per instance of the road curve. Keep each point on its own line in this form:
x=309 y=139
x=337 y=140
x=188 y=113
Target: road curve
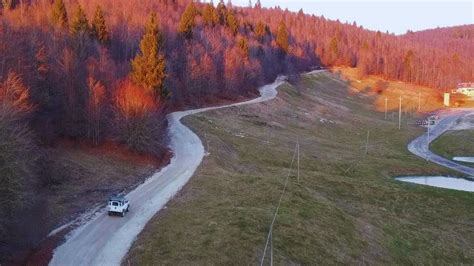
x=106 y=240
x=420 y=145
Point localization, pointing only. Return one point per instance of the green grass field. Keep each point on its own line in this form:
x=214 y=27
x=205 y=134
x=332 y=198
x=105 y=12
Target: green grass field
x=347 y=208
x=454 y=143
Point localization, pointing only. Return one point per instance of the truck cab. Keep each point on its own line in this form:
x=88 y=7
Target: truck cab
x=118 y=204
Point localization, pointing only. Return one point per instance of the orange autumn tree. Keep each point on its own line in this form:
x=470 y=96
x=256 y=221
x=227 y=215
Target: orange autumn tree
x=138 y=123
x=18 y=151
x=59 y=15
x=282 y=37
x=132 y=101
x=99 y=28
x=187 y=23
x=14 y=95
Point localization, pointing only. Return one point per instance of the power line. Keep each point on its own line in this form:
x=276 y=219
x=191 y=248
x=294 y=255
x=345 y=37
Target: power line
x=270 y=235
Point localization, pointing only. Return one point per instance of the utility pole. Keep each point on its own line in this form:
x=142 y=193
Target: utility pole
x=207 y=143
x=419 y=102
x=298 y=160
x=386 y=100
x=428 y=138
x=367 y=143
x=400 y=114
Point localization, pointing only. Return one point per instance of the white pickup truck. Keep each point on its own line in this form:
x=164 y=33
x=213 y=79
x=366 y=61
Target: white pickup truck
x=118 y=204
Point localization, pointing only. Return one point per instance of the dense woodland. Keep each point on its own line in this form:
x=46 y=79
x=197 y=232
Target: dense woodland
x=96 y=71
x=458 y=41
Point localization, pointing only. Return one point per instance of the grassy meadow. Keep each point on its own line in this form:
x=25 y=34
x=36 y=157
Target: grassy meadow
x=346 y=207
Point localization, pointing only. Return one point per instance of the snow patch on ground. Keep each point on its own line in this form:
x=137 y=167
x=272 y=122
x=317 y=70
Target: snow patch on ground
x=441 y=182
x=464 y=159
x=82 y=219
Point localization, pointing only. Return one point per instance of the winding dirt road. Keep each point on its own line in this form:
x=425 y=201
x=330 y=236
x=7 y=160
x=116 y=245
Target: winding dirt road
x=420 y=145
x=106 y=240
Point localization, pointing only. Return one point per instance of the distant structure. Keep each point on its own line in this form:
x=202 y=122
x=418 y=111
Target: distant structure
x=447 y=99
x=466 y=88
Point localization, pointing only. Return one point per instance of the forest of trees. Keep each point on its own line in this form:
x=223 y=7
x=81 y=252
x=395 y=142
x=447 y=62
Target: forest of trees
x=458 y=40
x=107 y=70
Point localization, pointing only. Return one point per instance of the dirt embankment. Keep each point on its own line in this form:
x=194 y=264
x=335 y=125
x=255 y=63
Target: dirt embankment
x=82 y=177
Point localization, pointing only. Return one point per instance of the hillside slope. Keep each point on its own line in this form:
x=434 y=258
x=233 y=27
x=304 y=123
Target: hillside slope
x=80 y=179
x=346 y=208
x=80 y=70
x=116 y=237
x=457 y=40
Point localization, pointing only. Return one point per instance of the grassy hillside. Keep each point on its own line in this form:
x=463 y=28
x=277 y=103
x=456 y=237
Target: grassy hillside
x=414 y=97
x=454 y=143
x=346 y=208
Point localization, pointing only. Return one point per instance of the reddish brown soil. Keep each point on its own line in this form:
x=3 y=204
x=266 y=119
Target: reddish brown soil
x=116 y=150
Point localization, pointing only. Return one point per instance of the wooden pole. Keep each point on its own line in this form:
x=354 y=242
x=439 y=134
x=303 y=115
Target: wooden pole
x=386 y=100
x=400 y=114
x=428 y=137
x=419 y=101
x=298 y=161
x=367 y=143
x=207 y=143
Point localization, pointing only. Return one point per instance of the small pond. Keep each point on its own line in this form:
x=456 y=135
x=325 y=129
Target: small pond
x=441 y=181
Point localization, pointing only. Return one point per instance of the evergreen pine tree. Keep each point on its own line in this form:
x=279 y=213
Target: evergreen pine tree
x=260 y=30
x=7 y=4
x=59 y=14
x=333 y=47
x=210 y=16
x=282 y=37
x=244 y=46
x=186 y=24
x=149 y=66
x=258 y=4
x=232 y=22
x=79 y=23
x=99 y=28
x=221 y=12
